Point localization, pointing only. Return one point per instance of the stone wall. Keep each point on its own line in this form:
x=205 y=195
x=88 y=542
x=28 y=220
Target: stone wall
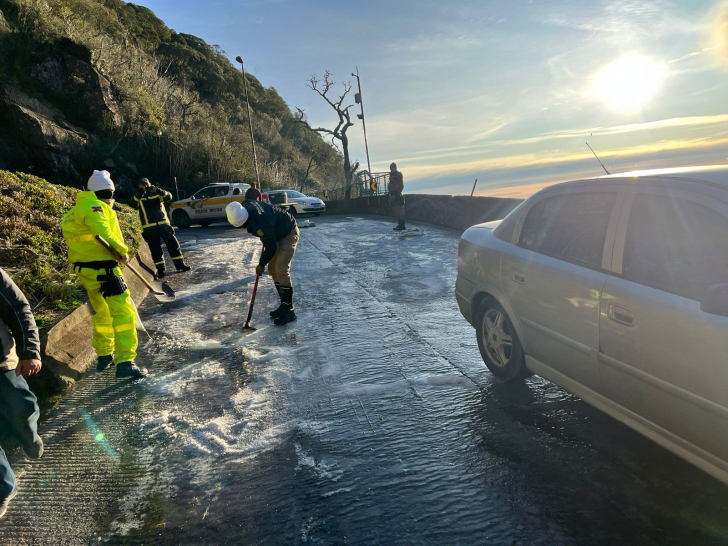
x=459 y=211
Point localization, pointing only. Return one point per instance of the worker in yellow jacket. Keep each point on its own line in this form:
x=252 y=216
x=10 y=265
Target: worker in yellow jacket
x=114 y=337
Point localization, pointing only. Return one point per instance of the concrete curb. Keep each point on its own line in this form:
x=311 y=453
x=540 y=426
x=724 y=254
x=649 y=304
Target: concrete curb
x=458 y=212
x=66 y=348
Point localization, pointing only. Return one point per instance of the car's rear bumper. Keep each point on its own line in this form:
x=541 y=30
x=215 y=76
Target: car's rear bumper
x=463 y=294
x=313 y=209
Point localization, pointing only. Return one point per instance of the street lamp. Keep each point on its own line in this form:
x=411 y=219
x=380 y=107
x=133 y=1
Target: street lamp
x=358 y=100
x=250 y=119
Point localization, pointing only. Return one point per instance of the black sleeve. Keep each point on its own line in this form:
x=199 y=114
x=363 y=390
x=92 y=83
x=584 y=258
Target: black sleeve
x=15 y=312
x=136 y=201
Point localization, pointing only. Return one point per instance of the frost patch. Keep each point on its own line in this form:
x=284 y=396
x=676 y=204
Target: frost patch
x=320 y=469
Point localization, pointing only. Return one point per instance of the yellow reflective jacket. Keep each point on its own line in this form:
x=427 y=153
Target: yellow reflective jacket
x=91 y=216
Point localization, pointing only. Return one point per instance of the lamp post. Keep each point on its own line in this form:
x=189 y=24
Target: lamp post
x=250 y=119
x=360 y=102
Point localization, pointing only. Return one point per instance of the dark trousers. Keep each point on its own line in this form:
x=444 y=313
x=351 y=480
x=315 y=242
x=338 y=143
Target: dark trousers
x=19 y=418
x=154 y=236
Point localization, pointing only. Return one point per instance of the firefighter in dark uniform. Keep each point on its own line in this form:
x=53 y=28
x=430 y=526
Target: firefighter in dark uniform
x=278 y=232
x=150 y=202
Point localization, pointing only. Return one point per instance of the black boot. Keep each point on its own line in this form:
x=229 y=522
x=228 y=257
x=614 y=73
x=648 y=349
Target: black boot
x=288 y=314
x=104 y=362
x=180 y=265
x=129 y=369
x=279 y=310
x=160 y=273
x=400 y=226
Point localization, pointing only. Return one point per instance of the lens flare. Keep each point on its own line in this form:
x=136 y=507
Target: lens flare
x=630 y=82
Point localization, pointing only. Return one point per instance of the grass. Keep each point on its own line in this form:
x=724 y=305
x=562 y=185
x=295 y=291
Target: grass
x=32 y=248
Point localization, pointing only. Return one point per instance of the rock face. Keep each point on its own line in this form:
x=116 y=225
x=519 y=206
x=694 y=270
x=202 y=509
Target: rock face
x=46 y=135
x=69 y=74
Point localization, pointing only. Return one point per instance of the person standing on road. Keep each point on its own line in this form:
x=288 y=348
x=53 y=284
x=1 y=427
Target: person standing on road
x=278 y=231
x=114 y=336
x=19 y=358
x=396 y=199
x=253 y=193
x=155 y=225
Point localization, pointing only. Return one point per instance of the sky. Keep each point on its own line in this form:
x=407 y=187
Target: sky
x=505 y=91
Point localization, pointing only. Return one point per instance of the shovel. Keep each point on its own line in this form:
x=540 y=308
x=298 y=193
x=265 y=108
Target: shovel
x=161 y=290
x=247 y=326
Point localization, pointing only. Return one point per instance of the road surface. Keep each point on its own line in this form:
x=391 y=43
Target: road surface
x=370 y=420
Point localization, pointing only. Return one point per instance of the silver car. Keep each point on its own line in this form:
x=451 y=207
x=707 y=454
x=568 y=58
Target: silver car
x=616 y=289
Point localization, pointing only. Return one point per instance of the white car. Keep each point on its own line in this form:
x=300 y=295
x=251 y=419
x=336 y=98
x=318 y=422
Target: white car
x=616 y=289
x=206 y=205
x=300 y=203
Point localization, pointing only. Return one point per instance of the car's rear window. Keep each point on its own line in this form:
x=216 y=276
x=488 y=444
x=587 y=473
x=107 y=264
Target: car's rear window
x=569 y=227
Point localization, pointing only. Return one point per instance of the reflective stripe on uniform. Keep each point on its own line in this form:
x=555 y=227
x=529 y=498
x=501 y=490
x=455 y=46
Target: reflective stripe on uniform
x=160 y=223
x=104 y=329
x=124 y=327
x=160 y=262
x=80 y=238
x=178 y=257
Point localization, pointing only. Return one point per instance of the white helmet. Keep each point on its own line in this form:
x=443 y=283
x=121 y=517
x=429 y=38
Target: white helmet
x=236 y=214
x=100 y=180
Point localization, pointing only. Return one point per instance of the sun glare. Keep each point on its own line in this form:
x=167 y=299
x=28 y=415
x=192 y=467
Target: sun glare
x=629 y=82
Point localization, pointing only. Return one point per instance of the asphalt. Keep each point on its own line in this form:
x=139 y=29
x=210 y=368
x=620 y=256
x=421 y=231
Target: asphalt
x=369 y=420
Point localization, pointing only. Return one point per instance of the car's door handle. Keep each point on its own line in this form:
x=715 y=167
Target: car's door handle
x=620 y=314
x=519 y=277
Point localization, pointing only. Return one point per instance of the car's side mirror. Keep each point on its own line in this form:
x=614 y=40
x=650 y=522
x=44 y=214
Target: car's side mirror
x=715 y=301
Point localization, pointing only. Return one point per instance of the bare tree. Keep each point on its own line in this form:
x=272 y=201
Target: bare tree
x=339 y=132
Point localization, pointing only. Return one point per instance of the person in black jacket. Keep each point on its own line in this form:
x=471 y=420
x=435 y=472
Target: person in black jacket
x=278 y=232
x=19 y=358
x=155 y=225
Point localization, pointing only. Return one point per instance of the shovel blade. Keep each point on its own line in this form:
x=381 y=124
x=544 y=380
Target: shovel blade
x=163 y=292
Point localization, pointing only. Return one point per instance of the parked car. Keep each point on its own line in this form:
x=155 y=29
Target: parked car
x=299 y=203
x=206 y=205
x=616 y=289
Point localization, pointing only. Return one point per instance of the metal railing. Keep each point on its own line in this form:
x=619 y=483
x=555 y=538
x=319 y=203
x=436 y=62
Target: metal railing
x=360 y=187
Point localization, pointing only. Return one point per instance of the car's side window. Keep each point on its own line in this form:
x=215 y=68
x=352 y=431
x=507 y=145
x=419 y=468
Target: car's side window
x=204 y=193
x=570 y=227
x=675 y=245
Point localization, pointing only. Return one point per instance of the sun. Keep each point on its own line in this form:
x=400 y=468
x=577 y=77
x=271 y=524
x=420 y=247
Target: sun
x=630 y=82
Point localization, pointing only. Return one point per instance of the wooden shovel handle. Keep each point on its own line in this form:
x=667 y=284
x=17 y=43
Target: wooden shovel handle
x=118 y=256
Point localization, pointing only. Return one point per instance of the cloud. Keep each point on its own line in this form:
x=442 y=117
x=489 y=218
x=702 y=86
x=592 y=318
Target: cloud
x=532 y=159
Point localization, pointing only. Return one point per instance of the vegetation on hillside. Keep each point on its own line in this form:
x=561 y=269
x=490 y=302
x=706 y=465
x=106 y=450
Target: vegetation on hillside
x=32 y=248
x=181 y=101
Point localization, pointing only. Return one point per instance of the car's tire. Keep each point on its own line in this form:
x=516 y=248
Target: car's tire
x=181 y=219
x=498 y=343
x=206 y=223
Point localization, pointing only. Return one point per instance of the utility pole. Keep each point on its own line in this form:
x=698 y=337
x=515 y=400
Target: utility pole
x=360 y=102
x=250 y=120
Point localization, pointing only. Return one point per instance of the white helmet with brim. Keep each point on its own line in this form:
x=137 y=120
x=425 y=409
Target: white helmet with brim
x=236 y=214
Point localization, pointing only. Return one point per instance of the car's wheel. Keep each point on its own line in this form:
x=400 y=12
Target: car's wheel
x=181 y=219
x=498 y=343
x=205 y=223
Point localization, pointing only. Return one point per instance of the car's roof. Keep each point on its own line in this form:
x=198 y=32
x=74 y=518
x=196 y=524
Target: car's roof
x=227 y=184
x=714 y=175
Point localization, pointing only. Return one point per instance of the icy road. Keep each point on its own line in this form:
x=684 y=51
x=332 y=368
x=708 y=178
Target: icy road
x=370 y=420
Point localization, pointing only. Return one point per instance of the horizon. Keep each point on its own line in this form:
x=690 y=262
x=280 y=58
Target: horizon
x=507 y=93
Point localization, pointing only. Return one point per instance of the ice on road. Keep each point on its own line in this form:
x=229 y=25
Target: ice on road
x=369 y=420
